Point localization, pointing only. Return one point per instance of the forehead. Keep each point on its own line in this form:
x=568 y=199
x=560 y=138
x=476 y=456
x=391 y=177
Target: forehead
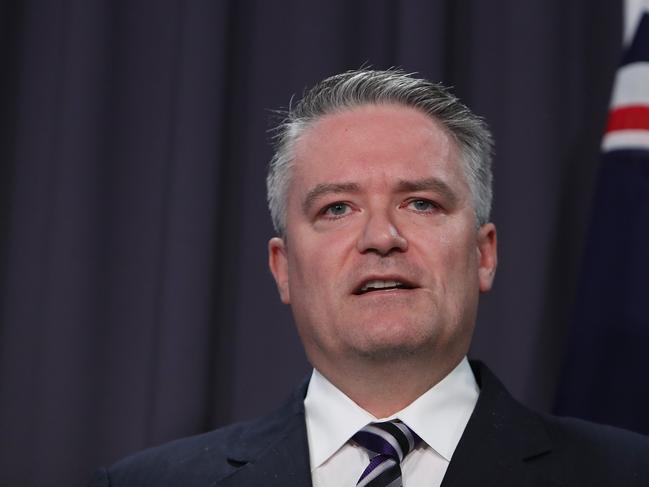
x=373 y=143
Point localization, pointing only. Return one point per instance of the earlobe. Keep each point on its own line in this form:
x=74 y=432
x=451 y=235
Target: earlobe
x=487 y=255
x=278 y=263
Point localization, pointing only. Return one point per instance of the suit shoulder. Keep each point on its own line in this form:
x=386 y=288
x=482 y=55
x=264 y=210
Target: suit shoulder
x=205 y=458
x=172 y=463
x=600 y=448
x=554 y=450
x=214 y=442
x=577 y=432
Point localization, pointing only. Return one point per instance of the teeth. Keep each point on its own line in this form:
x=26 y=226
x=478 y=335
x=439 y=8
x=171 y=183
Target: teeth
x=380 y=285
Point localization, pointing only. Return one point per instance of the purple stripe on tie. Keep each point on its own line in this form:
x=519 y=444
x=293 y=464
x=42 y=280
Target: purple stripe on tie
x=384 y=441
x=376 y=444
x=374 y=462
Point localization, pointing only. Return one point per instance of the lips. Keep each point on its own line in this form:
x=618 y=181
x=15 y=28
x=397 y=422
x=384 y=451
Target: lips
x=375 y=284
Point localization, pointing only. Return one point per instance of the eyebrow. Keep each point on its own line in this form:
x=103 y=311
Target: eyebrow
x=429 y=184
x=327 y=188
x=404 y=186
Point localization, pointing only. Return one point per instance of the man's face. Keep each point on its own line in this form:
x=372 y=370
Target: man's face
x=382 y=257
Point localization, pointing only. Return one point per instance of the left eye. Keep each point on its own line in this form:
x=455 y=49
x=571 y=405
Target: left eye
x=421 y=205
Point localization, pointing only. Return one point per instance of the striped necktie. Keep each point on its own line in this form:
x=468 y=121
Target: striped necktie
x=388 y=444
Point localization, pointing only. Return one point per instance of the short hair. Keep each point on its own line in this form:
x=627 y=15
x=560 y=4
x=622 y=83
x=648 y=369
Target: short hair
x=371 y=87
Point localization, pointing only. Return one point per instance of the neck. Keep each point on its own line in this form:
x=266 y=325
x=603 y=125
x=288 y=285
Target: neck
x=384 y=388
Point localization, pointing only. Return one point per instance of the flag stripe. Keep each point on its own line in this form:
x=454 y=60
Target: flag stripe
x=630 y=85
x=629 y=118
x=625 y=139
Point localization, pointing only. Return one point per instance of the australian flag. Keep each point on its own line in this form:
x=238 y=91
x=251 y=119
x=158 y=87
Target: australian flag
x=606 y=374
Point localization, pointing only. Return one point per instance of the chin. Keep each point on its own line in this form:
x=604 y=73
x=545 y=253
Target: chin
x=393 y=340
x=390 y=352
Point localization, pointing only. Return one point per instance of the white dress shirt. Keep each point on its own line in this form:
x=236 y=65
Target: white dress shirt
x=438 y=416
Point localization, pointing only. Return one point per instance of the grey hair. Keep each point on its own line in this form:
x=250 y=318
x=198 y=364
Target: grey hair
x=393 y=86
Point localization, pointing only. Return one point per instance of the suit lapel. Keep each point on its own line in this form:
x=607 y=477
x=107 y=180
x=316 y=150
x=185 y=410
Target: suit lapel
x=273 y=452
x=503 y=444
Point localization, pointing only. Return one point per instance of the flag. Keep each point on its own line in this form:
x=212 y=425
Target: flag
x=606 y=372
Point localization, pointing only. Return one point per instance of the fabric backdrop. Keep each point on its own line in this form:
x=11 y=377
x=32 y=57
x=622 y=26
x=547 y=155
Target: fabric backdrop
x=135 y=301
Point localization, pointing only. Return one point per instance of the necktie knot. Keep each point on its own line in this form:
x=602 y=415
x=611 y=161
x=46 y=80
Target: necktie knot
x=391 y=439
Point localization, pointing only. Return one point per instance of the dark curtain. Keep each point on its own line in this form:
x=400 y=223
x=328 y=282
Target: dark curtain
x=135 y=301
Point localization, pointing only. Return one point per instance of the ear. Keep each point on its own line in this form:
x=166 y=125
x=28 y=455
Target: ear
x=278 y=263
x=487 y=256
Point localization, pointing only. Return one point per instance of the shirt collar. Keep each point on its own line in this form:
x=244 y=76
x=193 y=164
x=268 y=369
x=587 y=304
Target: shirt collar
x=438 y=416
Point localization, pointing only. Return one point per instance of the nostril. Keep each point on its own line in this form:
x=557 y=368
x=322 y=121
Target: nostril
x=381 y=238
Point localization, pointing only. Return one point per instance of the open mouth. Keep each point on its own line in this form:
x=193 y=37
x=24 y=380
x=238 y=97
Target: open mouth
x=375 y=285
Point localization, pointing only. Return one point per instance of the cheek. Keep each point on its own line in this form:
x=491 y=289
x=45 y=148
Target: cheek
x=313 y=267
x=450 y=256
x=326 y=252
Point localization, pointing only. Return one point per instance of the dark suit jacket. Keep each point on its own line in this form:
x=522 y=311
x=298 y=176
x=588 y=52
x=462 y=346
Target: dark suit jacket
x=504 y=444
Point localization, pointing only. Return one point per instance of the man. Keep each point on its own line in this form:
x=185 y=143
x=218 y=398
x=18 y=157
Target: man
x=380 y=191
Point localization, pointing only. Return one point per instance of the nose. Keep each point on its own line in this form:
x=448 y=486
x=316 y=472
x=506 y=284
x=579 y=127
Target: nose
x=380 y=235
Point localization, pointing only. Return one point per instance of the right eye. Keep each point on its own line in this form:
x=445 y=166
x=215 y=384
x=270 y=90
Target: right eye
x=336 y=210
